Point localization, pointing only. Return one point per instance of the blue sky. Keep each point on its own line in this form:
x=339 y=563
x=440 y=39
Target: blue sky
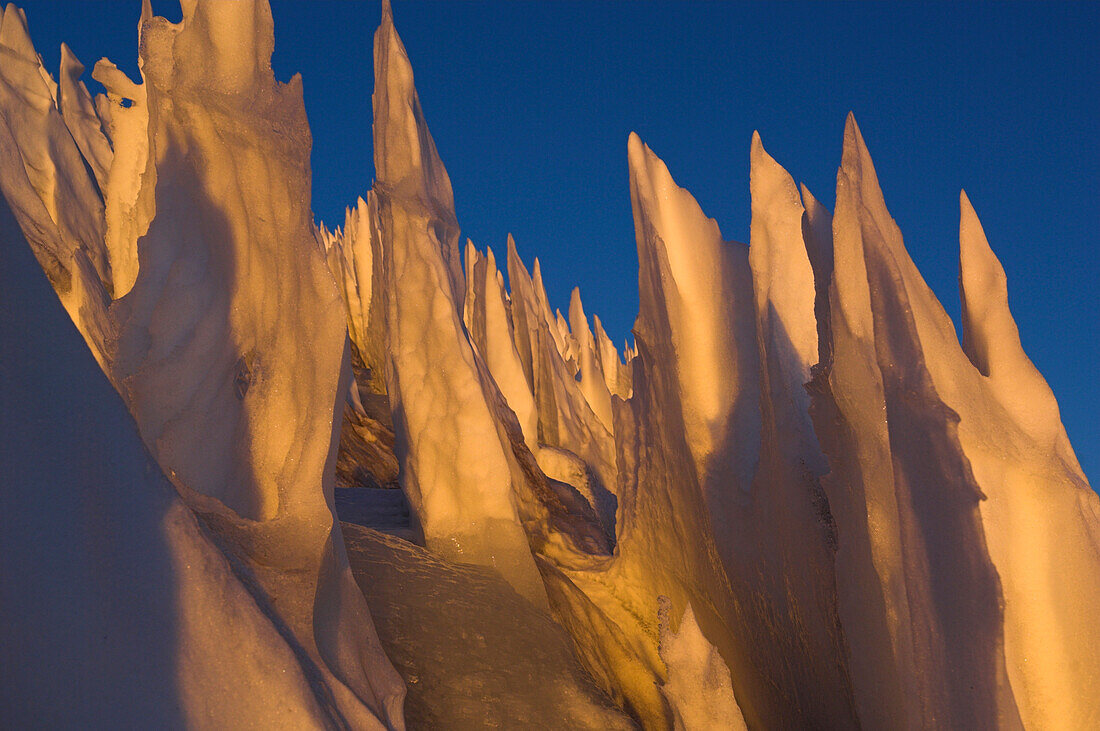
x=530 y=105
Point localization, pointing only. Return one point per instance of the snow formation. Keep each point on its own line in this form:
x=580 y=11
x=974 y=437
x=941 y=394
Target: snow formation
x=797 y=500
x=195 y=278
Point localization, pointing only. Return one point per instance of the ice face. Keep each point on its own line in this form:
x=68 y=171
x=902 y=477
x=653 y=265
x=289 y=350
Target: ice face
x=489 y=324
x=592 y=379
x=906 y=503
x=473 y=650
x=232 y=368
x=853 y=519
x=457 y=465
x=788 y=530
x=698 y=690
x=120 y=604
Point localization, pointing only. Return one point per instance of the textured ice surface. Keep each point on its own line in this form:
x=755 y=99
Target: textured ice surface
x=489 y=324
x=1041 y=518
x=212 y=312
x=995 y=534
x=698 y=689
x=919 y=597
x=382 y=510
x=473 y=653
x=592 y=379
x=354 y=257
x=784 y=529
x=566 y=422
x=119 y=607
x=457 y=465
x=857 y=520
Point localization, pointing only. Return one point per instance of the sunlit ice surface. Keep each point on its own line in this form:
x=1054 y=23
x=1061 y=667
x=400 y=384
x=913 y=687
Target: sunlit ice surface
x=265 y=471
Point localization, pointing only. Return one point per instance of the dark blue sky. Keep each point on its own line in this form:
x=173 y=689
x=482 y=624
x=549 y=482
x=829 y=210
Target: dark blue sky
x=530 y=105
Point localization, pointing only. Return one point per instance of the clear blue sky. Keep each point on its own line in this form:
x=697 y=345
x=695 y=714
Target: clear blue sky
x=530 y=105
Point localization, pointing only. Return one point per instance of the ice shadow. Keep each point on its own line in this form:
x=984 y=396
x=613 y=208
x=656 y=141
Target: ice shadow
x=88 y=606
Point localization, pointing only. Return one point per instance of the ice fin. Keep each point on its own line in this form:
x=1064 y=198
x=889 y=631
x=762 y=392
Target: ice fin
x=464 y=481
x=81 y=118
x=692 y=291
x=131 y=179
x=782 y=277
x=817 y=232
x=406 y=163
x=593 y=385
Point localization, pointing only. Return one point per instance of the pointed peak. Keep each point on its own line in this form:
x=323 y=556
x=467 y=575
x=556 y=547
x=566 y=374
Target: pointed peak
x=974 y=249
x=855 y=148
x=989 y=332
x=578 y=321
x=406 y=162
x=649 y=176
x=857 y=166
x=70 y=61
x=644 y=165
x=70 y=94
x=474 y=255
x=471 y=259
x=964 y=203
x=540 y=288
x=519 y=280
x=638 y=152
x=760 y=160
x=808 y=199
x=653 y=184
x=850 y=123
x=972 y=238
x=388 y=38
x=515 y=264
x=13 y=32
x=817 y=234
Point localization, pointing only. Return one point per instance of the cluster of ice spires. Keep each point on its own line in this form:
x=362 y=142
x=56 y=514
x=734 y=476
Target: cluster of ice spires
x=798 y=501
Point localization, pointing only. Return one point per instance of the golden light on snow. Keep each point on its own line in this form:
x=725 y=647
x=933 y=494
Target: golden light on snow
x=796 y=500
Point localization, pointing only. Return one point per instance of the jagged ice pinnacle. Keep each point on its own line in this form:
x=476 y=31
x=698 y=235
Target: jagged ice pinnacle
x=361 y=476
